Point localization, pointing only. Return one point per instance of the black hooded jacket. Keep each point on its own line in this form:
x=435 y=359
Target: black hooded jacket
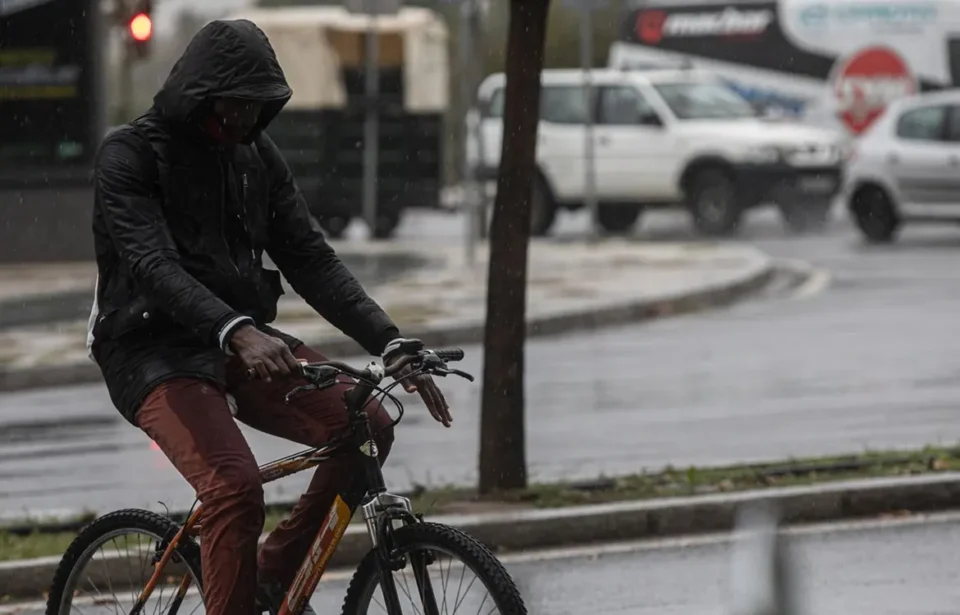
x=181 y=225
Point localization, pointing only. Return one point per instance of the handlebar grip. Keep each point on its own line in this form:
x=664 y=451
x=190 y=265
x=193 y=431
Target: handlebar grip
x=450 y=354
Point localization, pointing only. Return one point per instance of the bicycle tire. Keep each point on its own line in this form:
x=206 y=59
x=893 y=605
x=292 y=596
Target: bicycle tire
x=471 y=552
x=131 y=519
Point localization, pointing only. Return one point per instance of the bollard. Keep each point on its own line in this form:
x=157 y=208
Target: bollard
x=762 y=575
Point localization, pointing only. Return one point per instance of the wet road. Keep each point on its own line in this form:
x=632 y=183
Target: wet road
x=869 y=363
x=870 y=568
x=896 y=570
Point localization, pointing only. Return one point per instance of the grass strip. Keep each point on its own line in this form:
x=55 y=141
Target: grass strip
x=36 y=541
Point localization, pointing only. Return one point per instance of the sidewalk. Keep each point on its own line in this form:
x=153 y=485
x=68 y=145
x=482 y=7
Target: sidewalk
x=571 y=286
x=33 y=280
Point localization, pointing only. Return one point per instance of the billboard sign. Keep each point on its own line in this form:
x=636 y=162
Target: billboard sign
x=48 y=100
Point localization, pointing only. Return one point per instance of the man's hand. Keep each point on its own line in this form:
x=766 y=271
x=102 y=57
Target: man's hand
x=428 y=389
x=263 y=353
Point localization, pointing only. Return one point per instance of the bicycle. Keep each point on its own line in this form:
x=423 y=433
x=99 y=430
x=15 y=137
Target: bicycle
x=399 y=538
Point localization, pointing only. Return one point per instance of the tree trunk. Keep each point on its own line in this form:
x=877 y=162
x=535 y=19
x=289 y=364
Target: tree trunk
x=503 y=463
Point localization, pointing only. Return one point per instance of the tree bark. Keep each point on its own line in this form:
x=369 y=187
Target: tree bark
x=503 y=463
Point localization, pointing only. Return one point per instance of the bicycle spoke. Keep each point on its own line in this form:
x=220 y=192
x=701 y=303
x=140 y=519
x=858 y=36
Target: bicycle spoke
x=443 y=583
x=133 y=586
x=406 y=590
x=199 y=604
x=458 y=601
x=103 y=562
x=173 y=596
x=78 y=608
x=156 y=608
x=480 y=608
x=87 y=586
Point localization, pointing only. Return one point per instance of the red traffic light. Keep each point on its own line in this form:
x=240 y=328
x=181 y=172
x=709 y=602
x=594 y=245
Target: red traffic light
x=141 y=27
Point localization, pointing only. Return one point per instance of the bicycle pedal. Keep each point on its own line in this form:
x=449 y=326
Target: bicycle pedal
x=269 y=599
x=266 y=602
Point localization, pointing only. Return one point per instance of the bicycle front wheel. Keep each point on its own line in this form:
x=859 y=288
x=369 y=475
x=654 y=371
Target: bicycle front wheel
x=445 y=572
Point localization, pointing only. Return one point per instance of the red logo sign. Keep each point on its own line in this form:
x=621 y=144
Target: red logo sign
x=653 y=26
x=650 y=26
x=867 y=82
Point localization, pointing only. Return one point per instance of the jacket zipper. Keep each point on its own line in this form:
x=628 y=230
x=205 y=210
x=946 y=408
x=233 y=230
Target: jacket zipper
x=223 y=214
x=243 y=209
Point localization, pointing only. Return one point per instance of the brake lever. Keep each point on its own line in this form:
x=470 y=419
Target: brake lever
x=313 y=386
x=302 y=387
x=462 y=374
x=443 y=372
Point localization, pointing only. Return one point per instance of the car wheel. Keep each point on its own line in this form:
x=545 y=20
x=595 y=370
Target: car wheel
x=334 y=226
x=543 y=210
x=804 y=216
x=386 y=224
x=875 y=214
x=712 y=199
x=618 y=218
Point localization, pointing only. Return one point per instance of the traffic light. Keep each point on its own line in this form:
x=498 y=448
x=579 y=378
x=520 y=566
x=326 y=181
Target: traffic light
x=140 y=27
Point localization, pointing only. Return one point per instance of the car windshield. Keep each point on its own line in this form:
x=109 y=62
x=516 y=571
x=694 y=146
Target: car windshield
x=704 y=101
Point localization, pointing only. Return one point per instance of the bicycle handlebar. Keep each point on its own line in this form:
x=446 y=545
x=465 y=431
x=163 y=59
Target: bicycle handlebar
x=432 y=359
x=324 y=374
x=450 y=354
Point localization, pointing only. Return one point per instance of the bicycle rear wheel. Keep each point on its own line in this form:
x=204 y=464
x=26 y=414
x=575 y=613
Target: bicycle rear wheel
x=110 y=561
x=455 y=564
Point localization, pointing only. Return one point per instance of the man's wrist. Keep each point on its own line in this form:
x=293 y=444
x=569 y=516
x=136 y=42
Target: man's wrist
x=392 y=346
x=227 y=331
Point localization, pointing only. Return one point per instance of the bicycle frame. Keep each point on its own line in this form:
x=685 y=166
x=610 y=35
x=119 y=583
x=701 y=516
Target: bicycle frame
x=368 y=493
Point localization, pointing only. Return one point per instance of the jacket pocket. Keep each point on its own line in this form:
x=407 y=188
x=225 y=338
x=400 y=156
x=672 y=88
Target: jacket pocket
x=136 y=315
x=270 y=290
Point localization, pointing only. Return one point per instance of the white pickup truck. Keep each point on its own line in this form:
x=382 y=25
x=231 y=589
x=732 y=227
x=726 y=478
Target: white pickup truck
x=666 y=138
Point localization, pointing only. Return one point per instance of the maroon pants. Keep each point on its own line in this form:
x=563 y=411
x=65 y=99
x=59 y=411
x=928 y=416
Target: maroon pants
x=190 y=421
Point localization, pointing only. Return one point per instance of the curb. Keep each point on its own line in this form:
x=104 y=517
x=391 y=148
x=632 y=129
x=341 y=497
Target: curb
x=716 y=295
x=546 y=528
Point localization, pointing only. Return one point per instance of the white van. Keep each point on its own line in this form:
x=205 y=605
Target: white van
x=667 y=138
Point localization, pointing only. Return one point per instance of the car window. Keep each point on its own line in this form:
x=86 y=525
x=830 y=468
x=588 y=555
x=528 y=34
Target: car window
x=922 y=124
x=953 y=124
x=704 y=101
x=561 y=104
x=623 y=105
x=495 y=106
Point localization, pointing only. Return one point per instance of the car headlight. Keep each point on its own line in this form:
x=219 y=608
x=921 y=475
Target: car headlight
x=763 y=155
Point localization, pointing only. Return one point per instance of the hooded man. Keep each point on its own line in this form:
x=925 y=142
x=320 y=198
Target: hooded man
x=189 y=197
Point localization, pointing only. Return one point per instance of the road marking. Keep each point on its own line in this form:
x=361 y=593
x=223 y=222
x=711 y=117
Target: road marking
x=817 y=279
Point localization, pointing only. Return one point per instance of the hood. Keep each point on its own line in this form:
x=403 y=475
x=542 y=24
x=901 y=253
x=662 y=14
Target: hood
x=755 y=130
x=225 y=58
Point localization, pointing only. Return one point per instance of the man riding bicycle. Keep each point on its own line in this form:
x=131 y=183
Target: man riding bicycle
x=188 y=199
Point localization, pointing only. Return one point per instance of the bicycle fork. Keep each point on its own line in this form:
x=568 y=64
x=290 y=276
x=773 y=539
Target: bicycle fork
x=379 y=514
